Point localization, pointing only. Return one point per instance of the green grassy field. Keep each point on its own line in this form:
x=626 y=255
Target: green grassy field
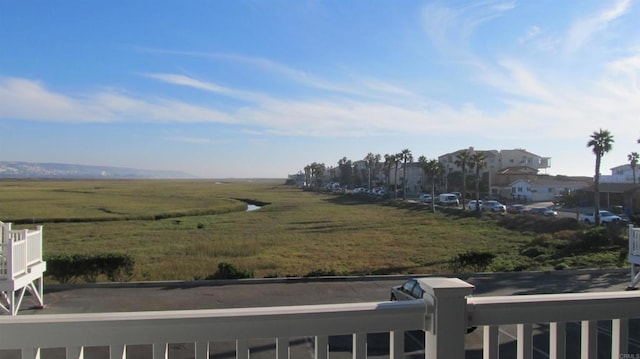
x=181 y=230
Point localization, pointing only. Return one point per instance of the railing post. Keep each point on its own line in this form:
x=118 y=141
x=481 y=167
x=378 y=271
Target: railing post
x=445 y=337
x=8 y=250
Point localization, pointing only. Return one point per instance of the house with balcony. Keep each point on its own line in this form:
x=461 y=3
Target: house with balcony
x=499 y=160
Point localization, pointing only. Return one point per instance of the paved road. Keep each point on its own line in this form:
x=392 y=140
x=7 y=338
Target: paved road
x=252 y=293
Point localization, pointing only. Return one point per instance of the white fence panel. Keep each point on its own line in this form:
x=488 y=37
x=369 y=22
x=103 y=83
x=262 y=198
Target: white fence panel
x=119 y=330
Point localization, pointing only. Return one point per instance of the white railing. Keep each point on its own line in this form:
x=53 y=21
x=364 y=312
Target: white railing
x=634 y=244
x=19 y=249
x=203 y=328
x=634 y=255
x=556 y=310
x=444 y=315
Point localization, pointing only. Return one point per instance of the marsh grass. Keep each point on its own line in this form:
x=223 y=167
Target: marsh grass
x=182 y=230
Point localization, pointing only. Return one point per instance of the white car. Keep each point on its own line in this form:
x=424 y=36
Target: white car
x=493 y=206
x=411 y=289
x=425 y=198
x=473 y=203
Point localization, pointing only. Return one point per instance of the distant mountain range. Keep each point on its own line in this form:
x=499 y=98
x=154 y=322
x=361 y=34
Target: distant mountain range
x=10 y=169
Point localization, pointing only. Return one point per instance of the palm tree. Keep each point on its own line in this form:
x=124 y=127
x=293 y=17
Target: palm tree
x=307 y=175
x=371 y=161
x=462 y=161
x=397 y=158
x=422 y=160
x=389 y=160
x=346 y=171
x=405 y=157
x=433 y=168
x=633 y=162
x=479 y=161
x=601 y=142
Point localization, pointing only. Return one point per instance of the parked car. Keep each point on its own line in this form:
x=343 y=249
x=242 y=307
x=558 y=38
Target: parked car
x=448 y=199
x=543 y=211
x=425 y=198
x=605 y=217
x=411 y=290
x=473 y=203
x=517 y=209
x=493 y=206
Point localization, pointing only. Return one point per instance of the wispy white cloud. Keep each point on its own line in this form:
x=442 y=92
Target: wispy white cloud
x=24 y=99
x=585 y=28
x=28 y=99
x=515 y=78
x=191 y=140
x=450 y=28
x=532 y=33
x=188 y=81
x=269 y=66
x=628 y=69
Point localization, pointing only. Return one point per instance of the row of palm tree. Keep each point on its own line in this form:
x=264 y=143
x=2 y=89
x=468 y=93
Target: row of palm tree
x=601 y=142
x=431 y=169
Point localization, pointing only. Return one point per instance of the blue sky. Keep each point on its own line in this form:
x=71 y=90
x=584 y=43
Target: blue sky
x=242 y=88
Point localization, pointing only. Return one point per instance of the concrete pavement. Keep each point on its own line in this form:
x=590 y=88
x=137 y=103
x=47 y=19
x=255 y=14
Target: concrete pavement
x=143 y=296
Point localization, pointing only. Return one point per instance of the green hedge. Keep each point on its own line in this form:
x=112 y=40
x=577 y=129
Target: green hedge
x=69 y=268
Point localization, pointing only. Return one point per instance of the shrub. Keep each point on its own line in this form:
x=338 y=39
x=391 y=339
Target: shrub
x=67 y=269
x=595 y=237
x=473 y=261
x=61 y=268
x=229 y=271
x=321 y=273
x=538 y=224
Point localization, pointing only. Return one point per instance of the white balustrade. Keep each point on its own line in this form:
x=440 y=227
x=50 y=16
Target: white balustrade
x=444 y=315
x=21 y=266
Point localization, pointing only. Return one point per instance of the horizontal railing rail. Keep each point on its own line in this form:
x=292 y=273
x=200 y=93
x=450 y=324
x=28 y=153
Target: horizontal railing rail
x=545 y=308
x=31 y=333
x=556 y=310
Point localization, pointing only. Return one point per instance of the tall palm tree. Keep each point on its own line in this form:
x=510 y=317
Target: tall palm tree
x=601 y=142
x=433 y=168
x=371 y=162
x=462 y=161
x=633 y=162
x=422 y=160
x=389 y=160
x=346 y=171
x=479 y=161
x=405 y=157
x=397 y=158
x=307 y=175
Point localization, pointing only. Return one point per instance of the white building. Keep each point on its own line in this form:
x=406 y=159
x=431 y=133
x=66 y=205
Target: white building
x=621 y=174
x=543 y=189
